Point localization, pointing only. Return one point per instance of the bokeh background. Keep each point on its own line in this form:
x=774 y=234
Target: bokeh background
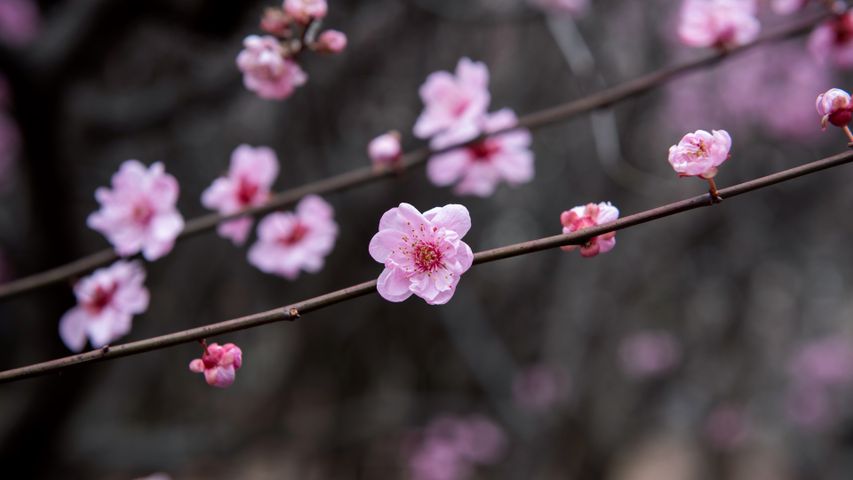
x=713 y=344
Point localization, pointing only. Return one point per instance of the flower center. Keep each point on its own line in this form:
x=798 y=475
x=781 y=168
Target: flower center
x=483 y=151
x=427 y=256
x=142 y=213
x=101 y=298
x=843 y=31
x=295 y=236
x=246 y=192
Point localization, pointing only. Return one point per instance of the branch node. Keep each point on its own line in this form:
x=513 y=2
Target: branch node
x=293 y=313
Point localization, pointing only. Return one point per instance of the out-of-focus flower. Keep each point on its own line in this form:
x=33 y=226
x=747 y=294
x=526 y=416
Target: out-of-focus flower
x=385 y=150
x=726 y=427
x=649 y=354
x=219 y=364
x=107 y=300
x=718 y=23
x=832 y=41
x=538 y=388
x=331 y=41
x=276 y=22
x=809 y=407
x=290 y=242
x=423 y=253
x=479 y=167
x=557 y=7
x=700 y=153
x=826 y=362
x=835 y=107
x=304 y=11
x=586 y=216
x=787 y=7
x=452 y=446
x=450 y=99
x=139 y=213
x=250 y=176
x=266 y=70
x=20 y=21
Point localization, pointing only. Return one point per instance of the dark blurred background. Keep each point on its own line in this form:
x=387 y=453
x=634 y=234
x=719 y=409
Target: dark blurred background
x=679 y=355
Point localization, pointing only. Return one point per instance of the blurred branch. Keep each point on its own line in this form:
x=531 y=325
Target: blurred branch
x=354 y=178
x=294 y=311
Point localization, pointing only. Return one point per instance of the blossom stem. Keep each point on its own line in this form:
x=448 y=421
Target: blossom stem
x=849 y=135
x=293 y=311
x=715 y=195
x=362 y=176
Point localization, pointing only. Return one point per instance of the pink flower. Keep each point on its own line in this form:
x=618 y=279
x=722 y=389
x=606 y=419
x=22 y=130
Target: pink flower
x=450 y=99
x=649 y=354
x=265 y=69
x=19 y=21
x=250 y=176
x=587 y=216
x=718 y=23
x=834 y=106
x=331 y=41
x=385 y=150
x=219 y=364
x=107 y=300
x=538 y=388
x=423 y=253
x=479 y=167
x=700 y=153
x=787 y=7
x=832 y=41
x=139 y=213
x=451 y=446
x=276 y=22
x=303 y=11
x=556 y=7
x=825 y=362
x=290 y=242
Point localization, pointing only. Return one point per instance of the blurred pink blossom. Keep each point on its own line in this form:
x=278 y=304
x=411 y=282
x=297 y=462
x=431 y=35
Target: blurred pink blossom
x=787 y=7
x=718 y=23
x=331 y=41
x=20 y=21
x=250 y=177
x=453 y=99
x=726 y=427
x=586 y=216
x=649 y=354
x=832 y=41
x=835 y=107
x=423 y=253
x=556 y=7
x=290 y=242
x=479 y=167
x=700 y=153
x=452 y=446
x=538 y=388
x=303 y=11
x=265 y=69
x=809 y=406
x=107 y=300
x=824 y=362
x=139 y=213
x=385 y=150
x=219 y=364
x=276 y=22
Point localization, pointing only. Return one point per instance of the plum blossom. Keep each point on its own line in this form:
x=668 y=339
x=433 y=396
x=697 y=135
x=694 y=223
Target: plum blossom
x=818 y=369
x=718 y=23
x=835 y=107
x=452 y=99
x=304 y=11
x=586 y=216
x=292 y=241
x=700 y=153
x=649 y=354
x=266 y=70
x=832 y=41
x=19 y=21
x=556 y=7
x=218 y=363
x=107 y=300
x=331 y=41
x=479 y=167
x=139 y=213
x=451 y=447
x=385 y=150
x=276 y=22
x=423 y=253
x=250 y=176
x=787 y=7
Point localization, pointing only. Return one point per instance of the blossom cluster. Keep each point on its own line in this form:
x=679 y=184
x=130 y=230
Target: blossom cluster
x=451 y=447
x=269 y=62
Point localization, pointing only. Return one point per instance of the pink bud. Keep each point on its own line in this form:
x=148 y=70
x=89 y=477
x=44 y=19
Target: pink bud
x=331 y=41
x=385 y=150
x=834 y=106
x=587 y=216
x=219 y=364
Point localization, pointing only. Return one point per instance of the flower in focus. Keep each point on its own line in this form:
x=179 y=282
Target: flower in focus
x=107 y=300
x=219 y=364
x=835 y=107
x=250 y=176
x=139 y=213
x=450 y=99
x=700 y=153
x=292 y=241
x=385 y=150
x=718 y=23
x=331 y=41
x=832 y=41
x=304 y=11
x=19 y=21
x=479 y=167
x=423 y=253
x=587 y=216
x=556 y=7
x=649 y=354
x=450 y=447
x=266 y=70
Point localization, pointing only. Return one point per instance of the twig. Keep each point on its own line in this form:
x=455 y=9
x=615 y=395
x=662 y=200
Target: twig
x=365 y=175
x=291 y=312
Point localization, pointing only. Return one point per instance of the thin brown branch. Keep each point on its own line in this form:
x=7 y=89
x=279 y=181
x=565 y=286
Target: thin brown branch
x=365 y=175
x=294 y=311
